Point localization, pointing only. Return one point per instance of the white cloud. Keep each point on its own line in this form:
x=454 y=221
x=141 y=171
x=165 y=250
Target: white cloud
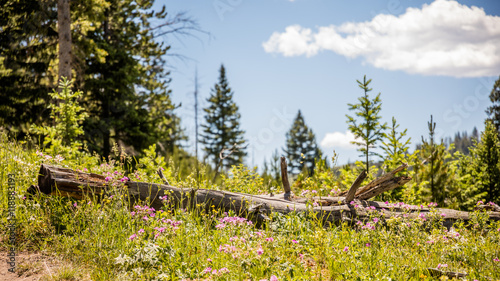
x=442 y=38
x=338 y=140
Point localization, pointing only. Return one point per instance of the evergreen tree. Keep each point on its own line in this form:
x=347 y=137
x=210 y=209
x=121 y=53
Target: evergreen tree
x=118 y=65
x=301 y=148
x=126 y=87
x=436 y=169
x=494 y=109
x=221 y=130
x=369 y=130
x=28 y=40
x=396 y=151
x=486 y=163
x=395 y=147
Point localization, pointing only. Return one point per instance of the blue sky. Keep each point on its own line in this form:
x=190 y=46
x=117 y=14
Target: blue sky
x=425 y=57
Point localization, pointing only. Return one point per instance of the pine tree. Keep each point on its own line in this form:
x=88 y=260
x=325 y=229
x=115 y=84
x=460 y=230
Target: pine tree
x=118 y=65
x=28 y=40
x=396 y=151
x=301 y=147
x=369 y=130
x=494 y=109
x=221 y=130
x=436 y=169
x=486 y=163
x=127 y=88
x=394 y=146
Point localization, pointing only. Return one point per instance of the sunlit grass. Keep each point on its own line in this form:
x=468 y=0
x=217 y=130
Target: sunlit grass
x=119 y=243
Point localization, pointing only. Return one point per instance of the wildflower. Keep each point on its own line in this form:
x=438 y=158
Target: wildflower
x=273 y=278
x=223 y=270
x=74 y=205
x=141 y=230
x=270 y=239
x=107 y=179
x=209 y=260
x=132 y=236
x=295 y=241
x=346 y=249
x=207 y=270
x=220 y=225
x=368 y=244
x=442 y=265
x=315 y=204
x=375 y=220
x=124 y=179
x=352 y=203
x=260 y=251
x=496 y=259
x=314 y=191
x=443 y=215
x=479 y=202
x=258 y=233
x=132 y=214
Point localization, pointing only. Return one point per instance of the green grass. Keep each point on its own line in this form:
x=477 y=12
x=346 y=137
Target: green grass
x=193 y=245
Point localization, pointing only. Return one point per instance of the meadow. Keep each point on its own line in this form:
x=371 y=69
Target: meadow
x=114 y=241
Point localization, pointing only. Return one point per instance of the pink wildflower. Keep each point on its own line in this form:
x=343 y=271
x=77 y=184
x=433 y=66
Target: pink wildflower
x=496 y=259
x=260 y=251
x=346 y=249
x=273 y=278
x=368 y=244
x=141 y=230
x=270 y=239
x=132 y=236
x=442 y=265
x=207 y=270
x=295 y=241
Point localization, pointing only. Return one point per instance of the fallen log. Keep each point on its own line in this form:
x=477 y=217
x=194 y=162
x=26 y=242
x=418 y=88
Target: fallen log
x=332 y=210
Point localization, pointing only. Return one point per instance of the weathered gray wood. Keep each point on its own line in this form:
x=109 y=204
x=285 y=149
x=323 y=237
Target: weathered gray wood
x=284 y=179
x=376 y=182
x=352 y=191
x=61 y=181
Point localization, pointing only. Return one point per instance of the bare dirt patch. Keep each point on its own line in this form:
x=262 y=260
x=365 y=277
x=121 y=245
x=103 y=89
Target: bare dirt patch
x=32 y=266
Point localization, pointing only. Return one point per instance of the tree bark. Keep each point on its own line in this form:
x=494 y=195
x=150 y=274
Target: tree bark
x=64 y=30
x=284 y=179
x=331 y=210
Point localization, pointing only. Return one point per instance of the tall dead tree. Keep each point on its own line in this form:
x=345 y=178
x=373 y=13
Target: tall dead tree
x=64 y=30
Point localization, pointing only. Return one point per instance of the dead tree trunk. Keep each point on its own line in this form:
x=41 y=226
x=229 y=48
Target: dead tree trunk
x=332 y=210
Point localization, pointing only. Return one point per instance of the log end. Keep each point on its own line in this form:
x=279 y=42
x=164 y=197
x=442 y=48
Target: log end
x=45 y=180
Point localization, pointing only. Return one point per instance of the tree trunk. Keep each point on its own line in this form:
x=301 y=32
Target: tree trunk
x=331 y=210
x=64 y=30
